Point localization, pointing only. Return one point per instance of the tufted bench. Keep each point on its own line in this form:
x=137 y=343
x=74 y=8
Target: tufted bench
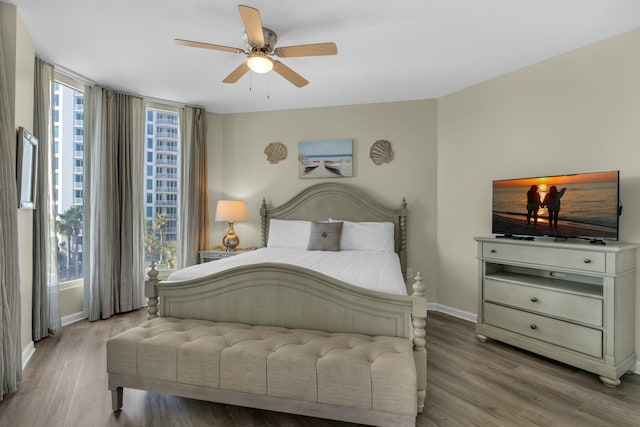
x=268 y=367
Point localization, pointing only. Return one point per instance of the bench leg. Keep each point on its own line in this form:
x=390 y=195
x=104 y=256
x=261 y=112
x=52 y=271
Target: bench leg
x=116 y=399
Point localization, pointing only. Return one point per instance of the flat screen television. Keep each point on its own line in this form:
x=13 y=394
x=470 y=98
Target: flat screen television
x=584 y=206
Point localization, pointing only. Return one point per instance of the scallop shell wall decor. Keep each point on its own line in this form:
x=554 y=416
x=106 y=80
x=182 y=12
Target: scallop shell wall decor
x=275 y=152
x=381 y=152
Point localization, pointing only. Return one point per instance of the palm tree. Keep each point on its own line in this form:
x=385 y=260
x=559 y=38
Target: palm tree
x=63 y=228
x=69 y=224
x=149 y=241
x=160 y=221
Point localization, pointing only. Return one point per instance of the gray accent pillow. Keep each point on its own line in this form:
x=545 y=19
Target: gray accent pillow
x=325 y=236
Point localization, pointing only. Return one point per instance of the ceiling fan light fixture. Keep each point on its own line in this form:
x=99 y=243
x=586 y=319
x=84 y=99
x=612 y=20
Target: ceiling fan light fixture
x=260 y=63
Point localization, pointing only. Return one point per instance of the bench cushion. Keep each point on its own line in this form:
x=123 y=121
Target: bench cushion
x=351 y=370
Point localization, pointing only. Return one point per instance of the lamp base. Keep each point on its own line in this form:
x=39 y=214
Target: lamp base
x=231 y=239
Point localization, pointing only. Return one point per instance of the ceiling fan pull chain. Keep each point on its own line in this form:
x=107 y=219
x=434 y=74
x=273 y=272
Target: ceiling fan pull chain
x=268 y=87
x=250 y=81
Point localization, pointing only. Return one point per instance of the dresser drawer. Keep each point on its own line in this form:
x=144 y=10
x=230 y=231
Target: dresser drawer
x=578 y=308
x=544 y=256
x=574 y=337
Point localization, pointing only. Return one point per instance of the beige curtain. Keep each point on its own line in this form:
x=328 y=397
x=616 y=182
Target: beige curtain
x=194 y=203
x=45 y=301
x=114 y=222
x=10 y=351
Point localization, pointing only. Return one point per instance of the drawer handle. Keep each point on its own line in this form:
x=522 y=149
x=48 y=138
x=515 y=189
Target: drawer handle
x=534 y=299
x=587 y=261
x=533 y=326
x=493 y=251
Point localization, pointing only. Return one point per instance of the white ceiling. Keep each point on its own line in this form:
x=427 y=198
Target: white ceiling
x=387 y=50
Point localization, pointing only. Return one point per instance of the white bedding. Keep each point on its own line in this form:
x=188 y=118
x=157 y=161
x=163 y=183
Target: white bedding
x=375 y=270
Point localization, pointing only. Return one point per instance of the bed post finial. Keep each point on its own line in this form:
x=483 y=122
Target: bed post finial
x=419 y=323
x=151 y=292
x=402 y=252
x=263 y=222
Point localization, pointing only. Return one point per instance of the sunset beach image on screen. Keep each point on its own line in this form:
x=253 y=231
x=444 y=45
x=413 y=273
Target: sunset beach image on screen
x=587 y=206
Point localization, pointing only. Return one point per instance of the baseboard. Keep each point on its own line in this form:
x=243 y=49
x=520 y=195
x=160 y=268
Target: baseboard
x=27 y=353
x=73 y=318
x=470 y=317
x=464 y=315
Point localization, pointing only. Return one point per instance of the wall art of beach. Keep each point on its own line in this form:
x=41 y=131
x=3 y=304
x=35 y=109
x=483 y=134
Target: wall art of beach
x=325 y=159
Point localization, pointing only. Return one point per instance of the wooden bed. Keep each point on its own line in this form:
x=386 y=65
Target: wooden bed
x=279 y=295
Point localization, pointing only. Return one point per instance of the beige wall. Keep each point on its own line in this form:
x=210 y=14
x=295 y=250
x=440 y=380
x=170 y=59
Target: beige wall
x=19 y=54
x=410 y=126
x=578 y=112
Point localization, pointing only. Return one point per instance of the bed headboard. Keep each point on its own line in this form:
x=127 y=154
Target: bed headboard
x=326 y=200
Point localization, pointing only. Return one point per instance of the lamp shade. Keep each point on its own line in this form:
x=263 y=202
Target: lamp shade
x=231 y=210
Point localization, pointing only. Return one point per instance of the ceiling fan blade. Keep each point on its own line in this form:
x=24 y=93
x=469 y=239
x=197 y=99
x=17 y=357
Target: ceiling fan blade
x=208 y=46
x=289 y=74
x=237 y=73
x=317 y=49
x=252 y=24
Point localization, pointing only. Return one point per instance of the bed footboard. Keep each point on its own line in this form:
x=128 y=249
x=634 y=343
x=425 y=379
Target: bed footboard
x=272 y=294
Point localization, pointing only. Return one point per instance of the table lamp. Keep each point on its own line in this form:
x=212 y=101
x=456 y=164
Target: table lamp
x=231 y=211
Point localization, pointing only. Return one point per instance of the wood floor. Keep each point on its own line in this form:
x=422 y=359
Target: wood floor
x=469 y=384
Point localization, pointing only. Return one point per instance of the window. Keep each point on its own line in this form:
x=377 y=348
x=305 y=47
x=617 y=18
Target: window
x=68 y=175
x=161 y=217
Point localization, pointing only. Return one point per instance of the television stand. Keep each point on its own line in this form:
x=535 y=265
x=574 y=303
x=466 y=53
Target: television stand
x=572 y=301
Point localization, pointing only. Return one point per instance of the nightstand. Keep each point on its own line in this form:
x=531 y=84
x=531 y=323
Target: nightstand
x=219 y=252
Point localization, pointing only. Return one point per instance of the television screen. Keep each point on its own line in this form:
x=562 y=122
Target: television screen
x=568 y=206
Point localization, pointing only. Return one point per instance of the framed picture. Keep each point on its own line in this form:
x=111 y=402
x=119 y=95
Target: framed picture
x=27 y=169
x=325 y=159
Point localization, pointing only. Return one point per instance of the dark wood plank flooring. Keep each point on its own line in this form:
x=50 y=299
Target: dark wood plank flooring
x=470 y=384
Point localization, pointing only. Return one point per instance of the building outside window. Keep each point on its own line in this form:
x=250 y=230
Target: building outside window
x=68 y=122
x=162 y=172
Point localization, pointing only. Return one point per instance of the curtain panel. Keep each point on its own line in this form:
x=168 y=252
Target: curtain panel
x=113 y=212
x=194 y=203
x=45 y=301
x=10 y=351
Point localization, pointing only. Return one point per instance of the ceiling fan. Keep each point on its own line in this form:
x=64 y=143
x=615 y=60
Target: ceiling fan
x=260 y=48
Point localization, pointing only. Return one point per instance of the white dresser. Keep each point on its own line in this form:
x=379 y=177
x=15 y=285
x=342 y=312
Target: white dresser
x=572 y=302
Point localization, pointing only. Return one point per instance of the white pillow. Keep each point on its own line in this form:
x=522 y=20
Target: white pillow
x=288 y=234
x=372 y=236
